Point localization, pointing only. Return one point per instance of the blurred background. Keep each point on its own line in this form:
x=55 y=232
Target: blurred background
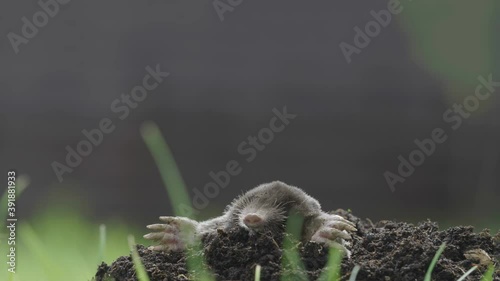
x=230 y=64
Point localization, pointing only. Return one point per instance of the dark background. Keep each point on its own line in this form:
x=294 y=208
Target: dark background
x=353 y=120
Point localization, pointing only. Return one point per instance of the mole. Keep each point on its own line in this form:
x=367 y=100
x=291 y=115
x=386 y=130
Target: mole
x=263 y=208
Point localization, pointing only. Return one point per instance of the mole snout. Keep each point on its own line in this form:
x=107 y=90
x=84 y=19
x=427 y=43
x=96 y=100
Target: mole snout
x=252 y=220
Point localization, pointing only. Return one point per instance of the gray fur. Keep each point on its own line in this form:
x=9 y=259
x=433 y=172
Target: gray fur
x=273 y=202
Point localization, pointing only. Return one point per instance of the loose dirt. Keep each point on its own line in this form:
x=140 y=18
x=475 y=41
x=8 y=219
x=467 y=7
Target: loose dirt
x=385 y=251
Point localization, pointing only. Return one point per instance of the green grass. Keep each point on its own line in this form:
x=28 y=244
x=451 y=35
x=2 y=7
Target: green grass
x=332 y=272
x=354 y=273
x=102 y=242
x=433 y=262
x=488 y=276
x=57 y=243
x=257 y=272
x=60 y=244
x=293 y=267
x=142 y=275
x=170 y=174
x=177 y=192
x=467 y=273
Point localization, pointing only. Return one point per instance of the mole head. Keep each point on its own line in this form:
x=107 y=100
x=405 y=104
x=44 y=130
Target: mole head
x=267 y=206
x=261 y=216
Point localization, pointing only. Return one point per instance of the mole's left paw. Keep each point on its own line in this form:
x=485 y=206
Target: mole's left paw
x=175 y=235
x=334 y=232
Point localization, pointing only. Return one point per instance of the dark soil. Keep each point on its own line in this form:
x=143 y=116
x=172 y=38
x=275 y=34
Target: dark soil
x=386 y=251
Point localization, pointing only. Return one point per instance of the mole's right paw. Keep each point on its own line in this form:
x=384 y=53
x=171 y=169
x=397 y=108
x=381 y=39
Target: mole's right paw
x=334 y=232
x=175 y=235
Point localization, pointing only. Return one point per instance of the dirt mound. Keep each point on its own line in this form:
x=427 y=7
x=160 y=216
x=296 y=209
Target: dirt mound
x=385 y=251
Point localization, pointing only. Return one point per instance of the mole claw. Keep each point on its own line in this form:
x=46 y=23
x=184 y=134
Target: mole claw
x=154 y=236
x=167 y=219
x=341 y=224
x=157 y=248
x=156 y=226
x=342 y=234
x=349 y=227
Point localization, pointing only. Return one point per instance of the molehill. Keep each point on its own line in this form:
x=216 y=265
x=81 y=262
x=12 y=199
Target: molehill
x=385 y=250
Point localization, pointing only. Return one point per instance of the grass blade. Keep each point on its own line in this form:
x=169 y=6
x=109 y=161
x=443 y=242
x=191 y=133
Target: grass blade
x=354 y=273
x=332 y=270
x=467 y=273
x=488 y=275
x=292 y=266
x=38 y=249
x=142 y=275
x=434 y=261
x=170 y=174
x=257 y=273
x=102 y=242
x=176 y=190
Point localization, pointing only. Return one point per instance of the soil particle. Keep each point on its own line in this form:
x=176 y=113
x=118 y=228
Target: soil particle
x=386 y=251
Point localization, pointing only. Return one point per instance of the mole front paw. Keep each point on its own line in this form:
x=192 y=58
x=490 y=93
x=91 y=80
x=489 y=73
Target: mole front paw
x=175 y=235
x=334 y=231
